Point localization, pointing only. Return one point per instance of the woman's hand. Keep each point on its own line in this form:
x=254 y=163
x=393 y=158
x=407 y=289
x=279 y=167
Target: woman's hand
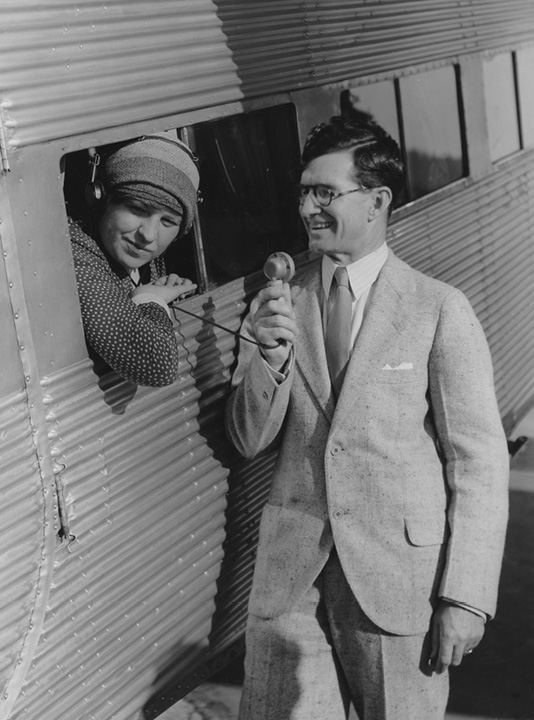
x=167 y=288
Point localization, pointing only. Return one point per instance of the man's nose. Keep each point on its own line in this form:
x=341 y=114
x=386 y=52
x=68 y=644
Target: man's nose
x=309 y=206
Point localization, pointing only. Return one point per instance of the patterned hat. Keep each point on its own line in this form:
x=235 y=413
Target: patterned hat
x=156 y=169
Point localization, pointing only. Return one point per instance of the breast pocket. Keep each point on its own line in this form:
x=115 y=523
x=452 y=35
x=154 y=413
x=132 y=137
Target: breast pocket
x=399 y=374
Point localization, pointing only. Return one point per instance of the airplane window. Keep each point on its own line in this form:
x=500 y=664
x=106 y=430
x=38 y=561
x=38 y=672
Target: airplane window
x=379 y=101
x=501 y=105
x=249 y=165
x=434 y=147
x=525 y=82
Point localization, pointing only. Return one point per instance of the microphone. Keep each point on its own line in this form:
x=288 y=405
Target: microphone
x=279 y=267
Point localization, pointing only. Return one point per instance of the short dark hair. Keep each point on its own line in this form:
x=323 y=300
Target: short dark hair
x=376 y=156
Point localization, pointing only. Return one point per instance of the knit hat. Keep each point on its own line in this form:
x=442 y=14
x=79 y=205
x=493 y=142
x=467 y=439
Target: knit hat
x=156 y=169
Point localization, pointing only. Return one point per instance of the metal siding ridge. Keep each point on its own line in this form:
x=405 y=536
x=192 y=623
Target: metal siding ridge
x=505 y=301
x=22 y=418
x=108 y=689
x=144 y=605
x=54 y=92
x=104 y=623
x=68 y=576
x=102 y=544
x=514 y=378
x=140 y=621
x=130 y=28
x=515 y=384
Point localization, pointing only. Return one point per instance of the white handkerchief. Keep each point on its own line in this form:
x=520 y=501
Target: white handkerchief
x=402 y=366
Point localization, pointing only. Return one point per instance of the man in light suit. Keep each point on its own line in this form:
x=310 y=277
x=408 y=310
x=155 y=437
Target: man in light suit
x=382 y=539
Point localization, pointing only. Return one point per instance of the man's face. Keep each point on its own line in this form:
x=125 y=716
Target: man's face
x=135 y=233
x=345 y=230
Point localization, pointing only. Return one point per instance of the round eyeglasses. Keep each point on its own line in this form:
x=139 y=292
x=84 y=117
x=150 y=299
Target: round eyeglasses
x=322 y=194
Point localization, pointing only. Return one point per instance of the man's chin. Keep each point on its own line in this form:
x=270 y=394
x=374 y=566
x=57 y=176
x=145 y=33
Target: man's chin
x=317 y=246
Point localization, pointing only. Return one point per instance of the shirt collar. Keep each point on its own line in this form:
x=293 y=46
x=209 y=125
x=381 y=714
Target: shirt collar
x=362 y=273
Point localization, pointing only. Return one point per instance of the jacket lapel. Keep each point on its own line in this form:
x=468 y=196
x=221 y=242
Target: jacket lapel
x=388 y=311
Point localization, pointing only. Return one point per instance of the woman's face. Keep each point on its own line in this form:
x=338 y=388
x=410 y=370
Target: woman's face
x=134 y=233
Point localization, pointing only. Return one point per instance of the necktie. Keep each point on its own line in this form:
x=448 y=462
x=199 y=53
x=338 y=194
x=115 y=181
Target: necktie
x=338 y=328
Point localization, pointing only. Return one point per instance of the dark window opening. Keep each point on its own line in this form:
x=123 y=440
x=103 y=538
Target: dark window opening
x=423 y=112
x=249 y=165
x=433 y=133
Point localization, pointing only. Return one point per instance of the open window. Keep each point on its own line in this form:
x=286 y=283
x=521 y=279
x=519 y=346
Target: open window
x=249 y=165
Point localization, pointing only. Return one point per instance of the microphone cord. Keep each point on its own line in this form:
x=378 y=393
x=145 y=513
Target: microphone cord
x=278 y=266
x=212 y=322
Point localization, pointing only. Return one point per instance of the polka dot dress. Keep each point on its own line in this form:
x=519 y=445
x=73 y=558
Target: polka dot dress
x=137 y=341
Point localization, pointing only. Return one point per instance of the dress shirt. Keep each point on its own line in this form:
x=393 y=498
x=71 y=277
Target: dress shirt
x=362 y=274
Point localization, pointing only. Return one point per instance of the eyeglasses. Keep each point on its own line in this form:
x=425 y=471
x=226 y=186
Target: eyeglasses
x=322 y=194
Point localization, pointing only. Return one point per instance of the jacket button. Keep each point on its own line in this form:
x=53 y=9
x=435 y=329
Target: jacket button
x=335 y=450
x=338 y=514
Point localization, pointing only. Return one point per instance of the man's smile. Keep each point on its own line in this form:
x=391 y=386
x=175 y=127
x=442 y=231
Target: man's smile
x=316 y=225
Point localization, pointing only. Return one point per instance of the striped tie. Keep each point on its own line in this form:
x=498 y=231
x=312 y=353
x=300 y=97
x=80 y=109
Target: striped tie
x=338 y=328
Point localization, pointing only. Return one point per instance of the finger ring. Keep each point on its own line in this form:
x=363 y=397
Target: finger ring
x=468 y=652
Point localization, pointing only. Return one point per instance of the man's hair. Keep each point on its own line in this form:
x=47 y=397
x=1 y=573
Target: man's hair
x=376 y=156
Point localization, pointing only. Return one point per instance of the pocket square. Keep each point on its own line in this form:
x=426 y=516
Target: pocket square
x=402 y=366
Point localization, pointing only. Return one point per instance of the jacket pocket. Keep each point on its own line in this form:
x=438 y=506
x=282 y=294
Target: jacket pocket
x=425 y=531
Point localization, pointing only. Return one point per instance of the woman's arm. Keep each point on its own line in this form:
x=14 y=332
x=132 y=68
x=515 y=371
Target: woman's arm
x=137 y=341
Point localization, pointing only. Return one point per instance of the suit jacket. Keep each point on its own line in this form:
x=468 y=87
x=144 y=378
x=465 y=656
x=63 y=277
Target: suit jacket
x=406 y=475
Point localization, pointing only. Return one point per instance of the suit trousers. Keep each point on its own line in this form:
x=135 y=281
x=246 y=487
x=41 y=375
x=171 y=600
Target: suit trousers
x=310 y=662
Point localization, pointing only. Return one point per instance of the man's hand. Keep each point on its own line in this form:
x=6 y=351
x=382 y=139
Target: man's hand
x=167 y=288
x=454 y=633
x=273 y=324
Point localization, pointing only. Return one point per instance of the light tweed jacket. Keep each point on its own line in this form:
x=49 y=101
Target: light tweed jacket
x=407 y=475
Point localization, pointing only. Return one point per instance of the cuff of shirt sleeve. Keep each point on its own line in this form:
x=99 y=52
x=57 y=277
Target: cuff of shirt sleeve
x=281 y=375
x=151 y=298
x=465 y=606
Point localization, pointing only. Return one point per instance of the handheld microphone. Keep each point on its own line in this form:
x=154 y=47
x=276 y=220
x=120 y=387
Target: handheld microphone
x=279 y=267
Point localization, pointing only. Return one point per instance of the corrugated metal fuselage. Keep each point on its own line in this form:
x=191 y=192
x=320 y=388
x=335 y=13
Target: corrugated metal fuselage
x=151 y=593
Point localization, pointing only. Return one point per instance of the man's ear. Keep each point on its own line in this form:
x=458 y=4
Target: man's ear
x=382 y=198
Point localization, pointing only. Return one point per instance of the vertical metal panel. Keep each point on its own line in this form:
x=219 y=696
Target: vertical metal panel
x=133 y=600
x=68 y=69
x=28 y=516
x=43 y=283
x=21 y=530
x=9 y=350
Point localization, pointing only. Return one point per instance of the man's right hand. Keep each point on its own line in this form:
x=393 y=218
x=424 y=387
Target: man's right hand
x=273 y=324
